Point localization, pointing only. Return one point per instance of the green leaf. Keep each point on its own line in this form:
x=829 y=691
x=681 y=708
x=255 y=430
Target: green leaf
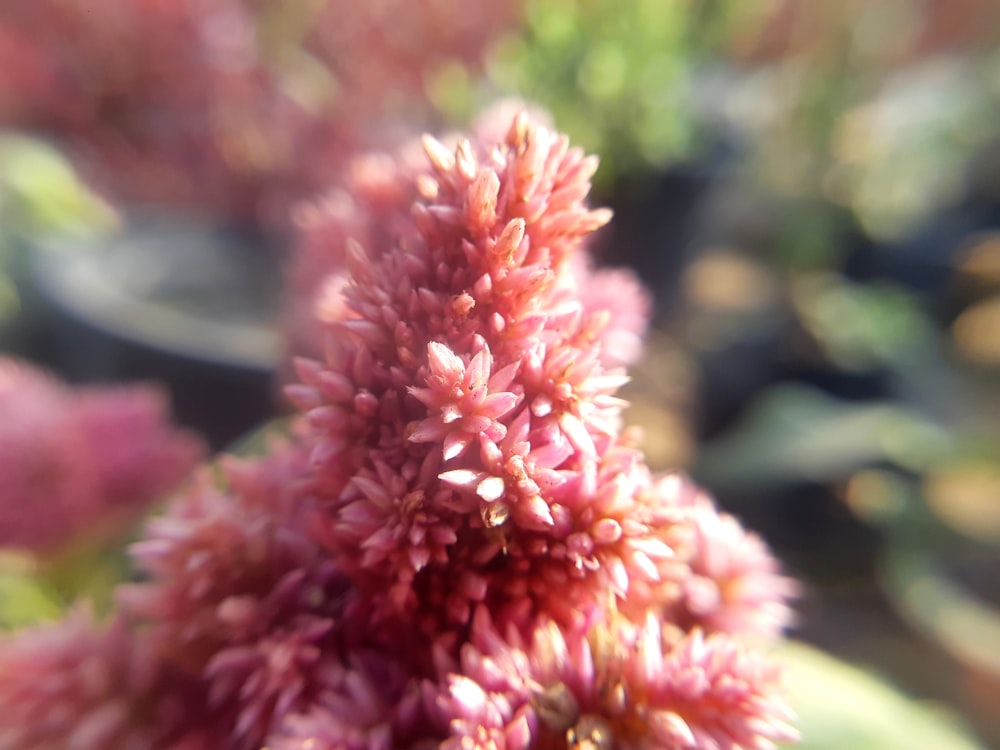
x=841 y=707
x=797 y=433
x=43 y=192
x=24 y=599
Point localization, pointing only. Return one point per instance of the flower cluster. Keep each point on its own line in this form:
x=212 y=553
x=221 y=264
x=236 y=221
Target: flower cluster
x=210 y=104
x=84 y=461
x=473 y=479
x=459 y=546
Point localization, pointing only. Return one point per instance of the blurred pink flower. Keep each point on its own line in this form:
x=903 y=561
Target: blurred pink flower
x=209 y=105
x=84 y=461
x=135 y=450
x=734 y=584
x=617 y=295
x=87 y=686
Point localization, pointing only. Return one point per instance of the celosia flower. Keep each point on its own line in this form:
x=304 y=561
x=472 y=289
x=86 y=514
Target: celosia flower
x=465 y=414
x=76 y=684
x=721 y=578
x=47 y=484
x=466 y=438
x=240 y=597
x=83 y=461
x=466 y=403
x=616 y=687
x=369 y=703
x=617 y=295
x=734 y=584
x=137 y=454
x=464 y=551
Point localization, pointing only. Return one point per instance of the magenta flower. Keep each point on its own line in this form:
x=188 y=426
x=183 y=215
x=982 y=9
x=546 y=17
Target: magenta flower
x=139 y=456
x=85 y=461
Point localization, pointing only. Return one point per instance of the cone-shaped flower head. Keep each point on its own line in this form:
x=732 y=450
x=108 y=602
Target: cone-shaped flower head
x=465 y=423
x=465 y=413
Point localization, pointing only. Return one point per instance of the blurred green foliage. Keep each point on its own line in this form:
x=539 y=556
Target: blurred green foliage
x=39 y=194
x=842 y=707
x=618 y=78
x=24 y=597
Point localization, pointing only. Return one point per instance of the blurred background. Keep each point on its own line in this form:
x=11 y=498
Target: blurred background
x=809 y=190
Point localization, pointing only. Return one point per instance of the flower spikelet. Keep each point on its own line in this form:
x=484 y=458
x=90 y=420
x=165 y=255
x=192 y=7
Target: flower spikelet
x=614 y=687
x=721 y=577
x=369 y=703
x=463 y=334
x=239 y=597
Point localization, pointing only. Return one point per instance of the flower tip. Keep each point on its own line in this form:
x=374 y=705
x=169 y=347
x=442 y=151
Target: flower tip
x=440 y=157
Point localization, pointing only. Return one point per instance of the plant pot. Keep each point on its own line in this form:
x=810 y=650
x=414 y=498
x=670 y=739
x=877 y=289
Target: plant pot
x=172 y=299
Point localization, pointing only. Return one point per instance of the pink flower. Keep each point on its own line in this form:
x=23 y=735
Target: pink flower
x=622 y=308
x=466 y=402
x=139 y=456
x=735 y=584
x=464 y=550
x=465 y=412
x=48 y=487
x=721 y=578
x=616 y=687
x=87 y=686
x=240 y=598
x=83 y=461
x=367 y=704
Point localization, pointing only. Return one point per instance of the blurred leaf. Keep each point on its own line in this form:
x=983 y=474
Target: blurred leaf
x=841 y=707
x=964 y=624
x=39 y=191
x=860 y=326
x=24 y=599
x=617 y=77
x=9 y=300
x=88 y=570
x=796 y=433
